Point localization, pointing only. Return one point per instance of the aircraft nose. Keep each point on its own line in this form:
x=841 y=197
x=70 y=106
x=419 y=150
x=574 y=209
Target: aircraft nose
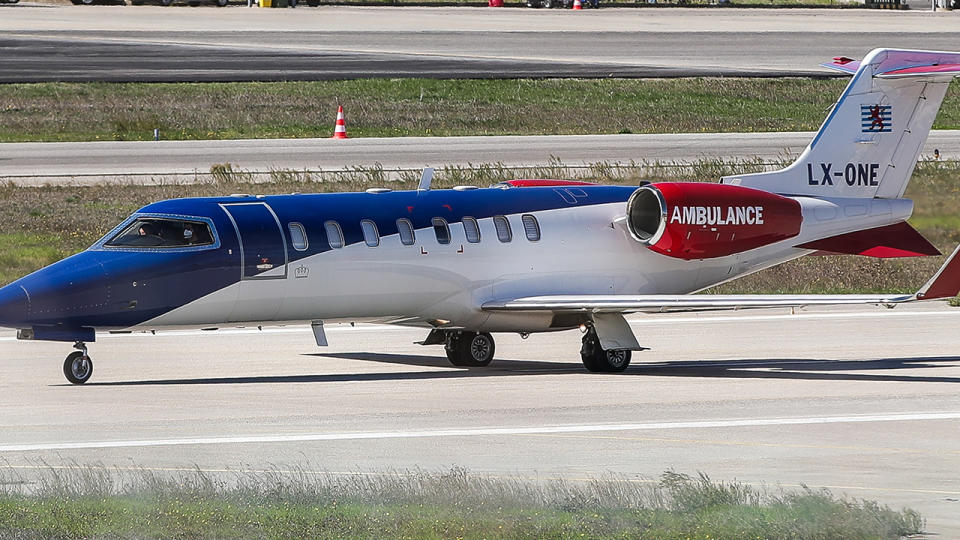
x=14 y=304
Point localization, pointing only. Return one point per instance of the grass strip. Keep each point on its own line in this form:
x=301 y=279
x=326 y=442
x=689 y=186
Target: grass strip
x=97 y=502
x=44 y=224
x=404 y=107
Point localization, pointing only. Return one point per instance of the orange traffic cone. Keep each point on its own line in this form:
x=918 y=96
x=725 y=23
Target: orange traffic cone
x=340 y=130
x=577 y=4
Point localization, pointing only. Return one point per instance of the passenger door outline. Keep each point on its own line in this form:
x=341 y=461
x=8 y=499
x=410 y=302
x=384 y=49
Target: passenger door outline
x=281 y=237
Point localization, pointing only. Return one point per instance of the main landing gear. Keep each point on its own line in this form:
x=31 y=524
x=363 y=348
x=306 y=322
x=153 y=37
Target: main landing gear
x=597 y=359
x=476 y=349
x=78 y=367
x=469 y=349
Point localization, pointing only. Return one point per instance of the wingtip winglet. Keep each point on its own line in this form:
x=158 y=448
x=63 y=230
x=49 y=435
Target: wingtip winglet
x=946 y=282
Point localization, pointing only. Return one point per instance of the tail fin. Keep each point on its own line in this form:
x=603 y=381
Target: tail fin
x=869 y=144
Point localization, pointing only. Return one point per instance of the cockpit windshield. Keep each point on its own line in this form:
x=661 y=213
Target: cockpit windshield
x=163 y=233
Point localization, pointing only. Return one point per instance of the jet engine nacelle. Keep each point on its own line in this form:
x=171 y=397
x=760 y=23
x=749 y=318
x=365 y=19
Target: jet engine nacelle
x=699 y=221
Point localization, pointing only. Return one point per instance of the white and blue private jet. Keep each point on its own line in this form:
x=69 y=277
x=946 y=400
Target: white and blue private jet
x=522 y=256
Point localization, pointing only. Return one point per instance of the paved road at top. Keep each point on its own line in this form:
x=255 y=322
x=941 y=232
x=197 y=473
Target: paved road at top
x=149 y=43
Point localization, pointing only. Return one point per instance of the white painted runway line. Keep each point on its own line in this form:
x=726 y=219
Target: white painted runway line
x=486 y=431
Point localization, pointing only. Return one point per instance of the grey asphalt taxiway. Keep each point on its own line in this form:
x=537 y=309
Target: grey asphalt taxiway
x=151 y=43
x=862 y=400
x=185 y=161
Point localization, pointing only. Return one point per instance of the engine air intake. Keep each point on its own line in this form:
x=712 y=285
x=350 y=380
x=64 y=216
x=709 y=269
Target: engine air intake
x=701 y=221
x=647 y=214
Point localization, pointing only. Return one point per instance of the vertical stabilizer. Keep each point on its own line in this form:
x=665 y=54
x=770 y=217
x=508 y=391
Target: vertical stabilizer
x=869 y=144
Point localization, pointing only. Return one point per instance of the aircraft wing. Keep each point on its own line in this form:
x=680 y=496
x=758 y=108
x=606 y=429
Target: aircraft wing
x=944 y=284
x=688 y=302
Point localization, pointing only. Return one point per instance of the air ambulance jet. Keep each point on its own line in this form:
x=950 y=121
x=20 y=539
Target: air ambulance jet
x=521 y=256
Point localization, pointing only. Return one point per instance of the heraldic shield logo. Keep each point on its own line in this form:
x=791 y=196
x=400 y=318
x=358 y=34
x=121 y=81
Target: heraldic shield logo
x=876 y=118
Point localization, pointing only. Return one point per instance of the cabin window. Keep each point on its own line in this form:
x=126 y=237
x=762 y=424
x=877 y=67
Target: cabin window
x=334 y=234
x=405 y=230
x=298 y=236
x=163 y=233
x=442 y=230
x=471 y=229
x=370 y=235
x=503 y=228
x=530 y=227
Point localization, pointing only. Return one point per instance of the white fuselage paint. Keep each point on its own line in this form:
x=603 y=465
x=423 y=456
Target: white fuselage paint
x=584 y=250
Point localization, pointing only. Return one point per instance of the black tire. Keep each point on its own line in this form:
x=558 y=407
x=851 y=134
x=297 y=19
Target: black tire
x=590 y=353
x=590 y=362
x=166 y=2
x=222 y=3
x=292 y=3
x=548 y=3
x=75 y=369
x=598 y=360
x=470 y=349
x=533 y=3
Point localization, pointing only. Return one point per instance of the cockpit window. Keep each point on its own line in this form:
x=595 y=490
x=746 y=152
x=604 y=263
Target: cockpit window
x=163 y=233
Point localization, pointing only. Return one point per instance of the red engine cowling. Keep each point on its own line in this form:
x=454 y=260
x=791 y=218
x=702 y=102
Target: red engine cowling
x=699 y=221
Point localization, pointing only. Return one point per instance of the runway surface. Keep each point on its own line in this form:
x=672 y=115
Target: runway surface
x=122 y=43
x=861 y=400
x=147 y=162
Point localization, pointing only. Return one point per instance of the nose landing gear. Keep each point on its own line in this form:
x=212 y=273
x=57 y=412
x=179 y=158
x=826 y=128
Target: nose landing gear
x=78 y=367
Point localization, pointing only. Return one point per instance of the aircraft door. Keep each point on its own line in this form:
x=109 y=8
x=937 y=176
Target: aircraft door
x=263 y=262
x=263 y=249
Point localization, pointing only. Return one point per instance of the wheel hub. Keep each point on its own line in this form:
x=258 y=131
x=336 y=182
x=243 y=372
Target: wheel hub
x=80 y=367
x=616 y=358
x=479 y=348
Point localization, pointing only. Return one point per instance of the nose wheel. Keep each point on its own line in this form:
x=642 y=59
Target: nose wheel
x=78 y=367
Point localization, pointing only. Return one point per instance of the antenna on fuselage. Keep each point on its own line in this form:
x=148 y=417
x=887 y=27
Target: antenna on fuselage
x=425 y=179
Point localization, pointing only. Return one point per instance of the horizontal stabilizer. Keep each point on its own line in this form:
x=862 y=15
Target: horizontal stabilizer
x=844 y=64
x=946 y=282
x=921 y=71
x=897 y=240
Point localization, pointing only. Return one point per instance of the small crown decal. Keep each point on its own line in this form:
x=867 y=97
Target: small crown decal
x=301 y=271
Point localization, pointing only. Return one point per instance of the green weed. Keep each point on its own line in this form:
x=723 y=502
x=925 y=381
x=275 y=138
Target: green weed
x=402 y=107
x=85 y=502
